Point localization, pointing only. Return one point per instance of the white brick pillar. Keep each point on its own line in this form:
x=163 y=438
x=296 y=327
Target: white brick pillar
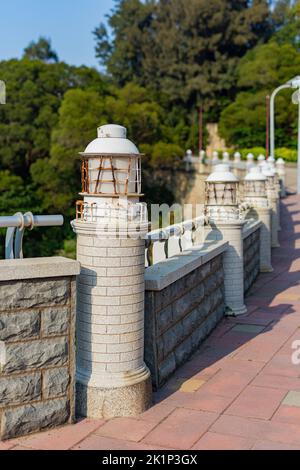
x=221 y=207
x=112 y=378
x=273 y=200
x=280 y=169
x=255 y=195
x=271 y=161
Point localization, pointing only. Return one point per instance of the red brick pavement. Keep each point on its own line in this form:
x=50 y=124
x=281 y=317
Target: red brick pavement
x=239 y=396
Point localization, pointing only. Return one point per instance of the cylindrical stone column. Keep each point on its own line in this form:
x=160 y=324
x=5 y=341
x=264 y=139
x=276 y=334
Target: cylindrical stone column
x=221 y=207
x=272 y=195
x=255 y=195
x=264 y=215
x=271 y=161
x=280 y=169
x=112 y=378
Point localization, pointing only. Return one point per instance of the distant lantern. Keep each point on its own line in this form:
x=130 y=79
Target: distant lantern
x=215 y=158
x=237 y=157
x=255 y=187
x=261 y=159
x=222 y=193
x=268 y=171
x=238 y=165
x=271 y=160
x=250 y=160
x=226 y=157
x=188 y=159
x=280 y=170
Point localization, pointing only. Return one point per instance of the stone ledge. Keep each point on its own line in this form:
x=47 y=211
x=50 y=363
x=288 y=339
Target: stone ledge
x=162 y=274
x=36 y=268
x=248 y=229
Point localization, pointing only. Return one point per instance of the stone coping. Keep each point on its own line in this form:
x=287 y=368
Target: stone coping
x=35 y=268
x=251 y=227
x=166 y=272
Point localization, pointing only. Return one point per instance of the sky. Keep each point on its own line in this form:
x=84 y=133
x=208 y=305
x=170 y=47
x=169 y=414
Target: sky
x=68 y=23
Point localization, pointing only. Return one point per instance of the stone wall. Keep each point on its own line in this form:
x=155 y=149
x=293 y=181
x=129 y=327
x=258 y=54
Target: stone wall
x=37 y=323
x=184 y=302
x=251 y=257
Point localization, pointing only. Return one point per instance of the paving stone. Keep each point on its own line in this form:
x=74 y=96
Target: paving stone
x=287 y=414
x=133 y=429
x=176 y=430
x=216 y=441
x=191 y=385
x=62 y=438
x=248 y=328
x=96 y=442
x=292 y=399
x=269 y=445
x=257 y=402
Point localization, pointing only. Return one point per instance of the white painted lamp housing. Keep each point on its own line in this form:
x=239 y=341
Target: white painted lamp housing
x=111 y=164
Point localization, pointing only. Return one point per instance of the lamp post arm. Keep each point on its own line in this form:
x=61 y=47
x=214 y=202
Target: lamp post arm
x=272 y=117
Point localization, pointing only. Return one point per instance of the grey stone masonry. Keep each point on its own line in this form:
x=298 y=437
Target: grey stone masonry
x=37 y=345
x=251 y=258
x=181 y=315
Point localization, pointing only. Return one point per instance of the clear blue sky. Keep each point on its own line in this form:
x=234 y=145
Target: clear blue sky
x=69 y=24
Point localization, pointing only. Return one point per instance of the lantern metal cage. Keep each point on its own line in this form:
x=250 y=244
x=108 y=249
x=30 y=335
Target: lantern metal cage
x=254 y=188
x=221 y=193
x=111 y=175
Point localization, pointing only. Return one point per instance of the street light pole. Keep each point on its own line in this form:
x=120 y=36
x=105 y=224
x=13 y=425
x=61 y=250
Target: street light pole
x=272 y=117
x=295 y=84
x=298 y=160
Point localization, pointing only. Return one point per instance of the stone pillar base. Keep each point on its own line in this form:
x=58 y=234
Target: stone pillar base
x=266 y=269
x=129 y=400
x=229 y=312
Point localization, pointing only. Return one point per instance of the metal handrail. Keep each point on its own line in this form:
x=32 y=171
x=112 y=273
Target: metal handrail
x=16 y=225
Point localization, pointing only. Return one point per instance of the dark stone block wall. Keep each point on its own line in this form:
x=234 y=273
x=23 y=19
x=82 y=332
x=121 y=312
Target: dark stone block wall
x=179 y=317
x=37 y=366
x=251 y=259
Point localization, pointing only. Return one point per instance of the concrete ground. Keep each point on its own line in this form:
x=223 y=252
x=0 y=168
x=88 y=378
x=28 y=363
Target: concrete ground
x=240 y=391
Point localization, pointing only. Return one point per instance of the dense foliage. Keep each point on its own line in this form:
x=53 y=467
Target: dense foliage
x=243 y=122
x=187 y=50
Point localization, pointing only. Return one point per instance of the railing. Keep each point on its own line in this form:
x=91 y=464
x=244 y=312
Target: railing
x=163 y=243
x=16 y=225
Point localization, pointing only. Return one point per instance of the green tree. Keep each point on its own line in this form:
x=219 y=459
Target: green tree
x=35 y=91
x=290 y=23
x=243 y=123
x=188 y=51
x=57 y=178
x=41 y=50
x=34 y=94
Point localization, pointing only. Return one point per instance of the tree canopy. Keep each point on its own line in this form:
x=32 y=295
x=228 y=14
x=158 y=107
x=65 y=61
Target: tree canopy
x=260 y=71
x=187 y=51
x=41 y=50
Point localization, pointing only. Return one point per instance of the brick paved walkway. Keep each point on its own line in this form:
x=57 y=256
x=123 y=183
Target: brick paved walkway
x=241 y=391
